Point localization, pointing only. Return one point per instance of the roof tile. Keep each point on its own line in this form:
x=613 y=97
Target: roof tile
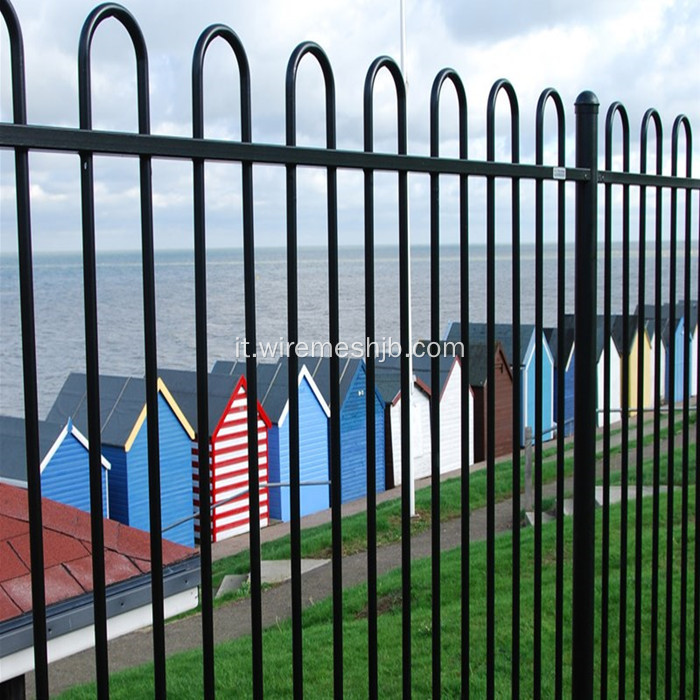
x=8 y=608
x=58 y=548
x=12 y=564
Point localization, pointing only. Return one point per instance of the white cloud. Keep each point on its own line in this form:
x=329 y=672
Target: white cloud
x=642 y=52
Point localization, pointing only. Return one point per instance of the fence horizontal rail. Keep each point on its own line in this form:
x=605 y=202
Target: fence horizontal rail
x=126 y=144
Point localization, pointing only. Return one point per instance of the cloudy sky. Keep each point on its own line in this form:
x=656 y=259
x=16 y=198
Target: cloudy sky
x=645 y=53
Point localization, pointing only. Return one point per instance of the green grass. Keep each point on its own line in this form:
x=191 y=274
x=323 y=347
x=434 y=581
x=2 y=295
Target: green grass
x=233 y=659
x=316 y=542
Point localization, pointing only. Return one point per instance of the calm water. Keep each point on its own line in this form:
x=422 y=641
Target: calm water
x=60 y=319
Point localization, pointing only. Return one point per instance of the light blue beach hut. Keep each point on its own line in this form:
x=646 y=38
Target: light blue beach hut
x=125 y=445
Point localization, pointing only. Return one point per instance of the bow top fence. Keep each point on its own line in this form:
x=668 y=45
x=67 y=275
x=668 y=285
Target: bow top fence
x=563 y=608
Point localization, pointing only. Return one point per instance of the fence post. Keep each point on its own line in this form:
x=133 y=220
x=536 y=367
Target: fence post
x=585 y=397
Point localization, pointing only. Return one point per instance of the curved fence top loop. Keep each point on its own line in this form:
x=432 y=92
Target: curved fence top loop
x=309 y=47
x=682 y=120
x=127 y=20
x=231 y=38
x=617 y=108
x=651 y=115
x=19 y=95
x=440 y=79
x=508 y=88
x=395 y=71
x=550 y=94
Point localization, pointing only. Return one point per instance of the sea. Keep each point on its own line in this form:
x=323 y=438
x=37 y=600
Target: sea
x=59 y=304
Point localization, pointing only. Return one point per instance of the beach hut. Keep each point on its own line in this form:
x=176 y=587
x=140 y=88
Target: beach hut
x=631 y=352
x=228 y=447
x=675 y=360
x=353 y=423
x=64 y=465
x=450 y=396
x=273 y=393
x=479 y=360
x=650 y=327
x=125 y=445
x=607 y=347
x=568 y=360
x=504 y=334
x=691 y=323
x=388 y=380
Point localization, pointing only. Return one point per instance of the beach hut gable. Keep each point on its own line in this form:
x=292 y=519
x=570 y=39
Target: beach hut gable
x=64 y=466
x=125 y=444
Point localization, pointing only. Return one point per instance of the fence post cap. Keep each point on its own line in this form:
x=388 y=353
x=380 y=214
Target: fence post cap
x=587 y=101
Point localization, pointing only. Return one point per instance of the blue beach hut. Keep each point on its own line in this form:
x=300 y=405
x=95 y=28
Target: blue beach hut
x=273 y=393
x=64 y=466
x=678 y=359
x=353 y=423
x=568 y=360
x=124 y=443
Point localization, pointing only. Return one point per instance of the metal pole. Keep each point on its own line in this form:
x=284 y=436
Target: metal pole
x=587 y=106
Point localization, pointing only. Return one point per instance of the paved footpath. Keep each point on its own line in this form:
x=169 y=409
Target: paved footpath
x=232 y=620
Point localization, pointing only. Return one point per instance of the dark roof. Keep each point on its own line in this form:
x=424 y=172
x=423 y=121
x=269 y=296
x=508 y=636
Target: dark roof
x=182 y=384
x=13 y=447
x=552 y=337
x=67 y=552
x=388 y=378
x=480 y=359
x=320 y=369
x=616 y=328
x=503 y=332
x=422 y=368
x=122 y=401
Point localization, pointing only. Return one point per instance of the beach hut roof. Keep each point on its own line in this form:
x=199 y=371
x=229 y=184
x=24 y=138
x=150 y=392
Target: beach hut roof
x=122 y=407
x=320 y=370
x=388 y=379
x=182 y=384
x=13 y=447
x=422 y=368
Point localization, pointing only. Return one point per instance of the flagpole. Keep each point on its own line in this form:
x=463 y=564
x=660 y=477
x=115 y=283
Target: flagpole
x=412 y=488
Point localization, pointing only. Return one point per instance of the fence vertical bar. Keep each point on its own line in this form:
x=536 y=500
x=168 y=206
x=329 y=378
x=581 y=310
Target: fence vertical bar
x=442 y=76
x=682 y=122
x=372 y=656
x=584 y=400
x=539 y=300
x=292 y=382
x=515 y=361
x=650 y=116
x=94 y=19
x=617 y=108
x=435 y=398
x=29 y=366
x=696 y=601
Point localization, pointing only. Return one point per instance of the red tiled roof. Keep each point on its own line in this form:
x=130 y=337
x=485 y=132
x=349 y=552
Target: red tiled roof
x=67 y=552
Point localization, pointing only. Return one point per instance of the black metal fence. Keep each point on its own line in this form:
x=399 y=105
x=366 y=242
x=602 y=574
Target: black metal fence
x=598 y=605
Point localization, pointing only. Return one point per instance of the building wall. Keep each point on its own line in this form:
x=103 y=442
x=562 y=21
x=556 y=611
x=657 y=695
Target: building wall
x=615 y=384
x=66 y=476
x=646 y=398
x=678 y=365
x=353 y=440
x=175 y=478
x=451 y=423
x=420 y=436
x=230 y=470
x=313 y=458
x=528 y=382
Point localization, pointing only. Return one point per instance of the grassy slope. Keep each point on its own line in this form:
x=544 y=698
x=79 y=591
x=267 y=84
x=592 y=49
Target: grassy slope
x=233 y=659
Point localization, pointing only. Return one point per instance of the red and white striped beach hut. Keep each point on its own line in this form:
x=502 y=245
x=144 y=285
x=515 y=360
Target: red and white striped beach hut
x=228 y=448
